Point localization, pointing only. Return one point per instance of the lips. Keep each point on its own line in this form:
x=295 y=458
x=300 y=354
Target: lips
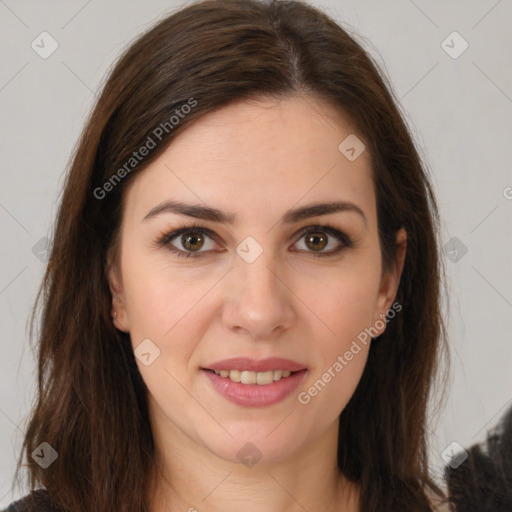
x=252 y=383
x=252 y=365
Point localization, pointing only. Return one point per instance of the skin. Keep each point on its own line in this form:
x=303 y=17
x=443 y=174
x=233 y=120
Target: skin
x=257 y=159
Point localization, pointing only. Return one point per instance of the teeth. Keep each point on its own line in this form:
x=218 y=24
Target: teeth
x=247 y=377
x=234 y=375
x=263 y=378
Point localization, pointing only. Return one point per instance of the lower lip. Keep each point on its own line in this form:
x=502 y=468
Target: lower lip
x=255 y=395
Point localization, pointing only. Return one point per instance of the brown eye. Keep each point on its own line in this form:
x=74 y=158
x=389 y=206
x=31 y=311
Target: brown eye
x=323 y=240
x=192 y=241
x=316 y=241
x=189 y=242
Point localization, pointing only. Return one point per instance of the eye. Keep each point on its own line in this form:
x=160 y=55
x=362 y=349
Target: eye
x=318 y=238
x=186 y=239
x=187 y=242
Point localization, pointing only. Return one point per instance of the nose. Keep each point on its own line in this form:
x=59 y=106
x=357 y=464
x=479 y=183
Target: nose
x=260 y=303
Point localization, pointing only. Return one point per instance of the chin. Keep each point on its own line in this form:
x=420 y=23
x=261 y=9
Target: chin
x=253 y=446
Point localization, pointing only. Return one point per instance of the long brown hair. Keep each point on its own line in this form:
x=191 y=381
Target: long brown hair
x=91 y=405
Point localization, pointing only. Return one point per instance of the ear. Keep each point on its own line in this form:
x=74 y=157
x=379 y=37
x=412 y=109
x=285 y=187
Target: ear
x=390 y=280
x=118 y=313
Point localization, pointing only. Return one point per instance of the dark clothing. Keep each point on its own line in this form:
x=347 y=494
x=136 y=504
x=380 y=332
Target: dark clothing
x=37 y=501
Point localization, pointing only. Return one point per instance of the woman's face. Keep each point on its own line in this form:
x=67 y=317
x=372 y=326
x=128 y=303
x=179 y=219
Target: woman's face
x=262 y=282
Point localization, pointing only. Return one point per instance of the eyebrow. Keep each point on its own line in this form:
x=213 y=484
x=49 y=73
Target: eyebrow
x=214 y=215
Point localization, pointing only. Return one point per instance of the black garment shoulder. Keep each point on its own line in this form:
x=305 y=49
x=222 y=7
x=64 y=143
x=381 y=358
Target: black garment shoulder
x=37 y=501
x=483 y=482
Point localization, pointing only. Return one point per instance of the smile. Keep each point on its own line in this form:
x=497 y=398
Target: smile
x=254 y=389
x=250 y=377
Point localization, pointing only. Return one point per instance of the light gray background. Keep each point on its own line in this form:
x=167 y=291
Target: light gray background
x=459 y=110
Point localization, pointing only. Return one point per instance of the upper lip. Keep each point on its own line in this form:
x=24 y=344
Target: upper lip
x=263 y=365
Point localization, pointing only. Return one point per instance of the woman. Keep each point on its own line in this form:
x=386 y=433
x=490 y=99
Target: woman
x=242 y=304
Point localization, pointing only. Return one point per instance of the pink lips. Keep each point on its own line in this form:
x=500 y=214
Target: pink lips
x=244 y=363
x=254 y=395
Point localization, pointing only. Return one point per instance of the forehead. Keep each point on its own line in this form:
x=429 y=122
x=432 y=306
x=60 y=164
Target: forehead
x=258 y=158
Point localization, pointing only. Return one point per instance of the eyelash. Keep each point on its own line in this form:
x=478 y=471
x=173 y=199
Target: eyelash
x=165 y=239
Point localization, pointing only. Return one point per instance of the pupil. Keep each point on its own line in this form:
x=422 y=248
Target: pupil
x=314 y=240
x=194 y=238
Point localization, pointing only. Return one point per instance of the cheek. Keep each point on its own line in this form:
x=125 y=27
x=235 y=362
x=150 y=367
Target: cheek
x=345 y=301
x=346 y=307
x=167 y=306
x=327 y=395
x=341 y=362
x=157 y=296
